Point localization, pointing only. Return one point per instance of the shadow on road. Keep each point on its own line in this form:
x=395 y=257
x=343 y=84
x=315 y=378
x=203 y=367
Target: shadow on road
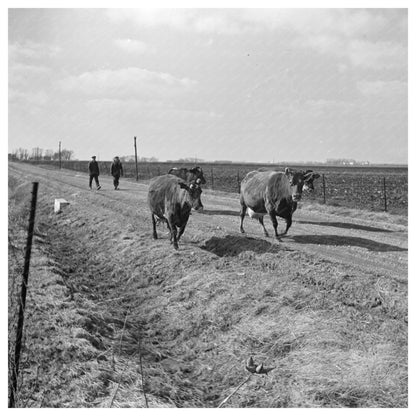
x=340 y=240
x=347 y=225
x=233 y=245
x=220 y=212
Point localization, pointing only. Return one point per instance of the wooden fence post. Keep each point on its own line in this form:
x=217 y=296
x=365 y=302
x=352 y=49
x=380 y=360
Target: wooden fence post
x=323 y=184
x=385 y=194
x=22 y=307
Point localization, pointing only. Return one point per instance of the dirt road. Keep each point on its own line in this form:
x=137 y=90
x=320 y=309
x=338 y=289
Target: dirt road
x=326 y=305
x=376 y=243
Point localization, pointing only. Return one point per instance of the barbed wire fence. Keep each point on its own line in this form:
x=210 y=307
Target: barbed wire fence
x=366 y=188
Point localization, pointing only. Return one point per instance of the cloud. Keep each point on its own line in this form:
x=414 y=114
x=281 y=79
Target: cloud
x=32 y=50
x=126 y=82
x=156 y=111
x=132 y=46
x=377 y=55
x=384 y=88
x=37 y=98
x=315 y=21
x=205 y=21
x=365 y=38
x=25 y=76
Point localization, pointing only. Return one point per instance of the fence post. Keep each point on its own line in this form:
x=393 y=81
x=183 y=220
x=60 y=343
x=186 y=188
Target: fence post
x=22 y=307
x=323 y=184
x=212 y=178
x=385 y=194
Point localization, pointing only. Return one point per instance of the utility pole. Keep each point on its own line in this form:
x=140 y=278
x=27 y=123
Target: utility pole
x=60 y=161
x=135 y=156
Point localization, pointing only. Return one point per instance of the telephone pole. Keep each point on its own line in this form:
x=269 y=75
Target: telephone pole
x=60 y=160
x=135 y=156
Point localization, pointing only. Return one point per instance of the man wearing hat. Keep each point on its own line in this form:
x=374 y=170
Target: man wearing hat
x=116 y=171
x=94 y=171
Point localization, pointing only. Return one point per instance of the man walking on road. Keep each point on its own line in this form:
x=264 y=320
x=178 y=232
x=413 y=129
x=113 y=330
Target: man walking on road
x=116 y=171
x=94 y=172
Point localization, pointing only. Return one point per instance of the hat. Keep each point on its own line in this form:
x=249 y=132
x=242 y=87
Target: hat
x=93 y=157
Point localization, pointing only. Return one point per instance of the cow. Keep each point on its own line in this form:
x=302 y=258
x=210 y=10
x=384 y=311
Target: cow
x=189 y=176
x=273 y=193
x=171 y=199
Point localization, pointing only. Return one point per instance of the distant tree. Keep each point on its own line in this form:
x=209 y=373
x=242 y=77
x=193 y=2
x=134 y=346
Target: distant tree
x=22 y=154
x=48 y=154
x=14 y=155
x=131 y=158
x=37 y=153
x=66 y=154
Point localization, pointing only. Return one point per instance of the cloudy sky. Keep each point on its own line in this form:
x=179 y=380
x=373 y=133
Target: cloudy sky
x=257 y=85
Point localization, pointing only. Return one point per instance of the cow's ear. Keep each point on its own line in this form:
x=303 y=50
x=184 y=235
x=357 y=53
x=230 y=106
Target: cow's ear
x=307 y=176
x=311 y=176
x=288 y=172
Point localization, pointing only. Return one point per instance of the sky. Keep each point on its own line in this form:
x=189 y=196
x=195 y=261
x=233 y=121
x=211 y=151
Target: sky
x=241 y=84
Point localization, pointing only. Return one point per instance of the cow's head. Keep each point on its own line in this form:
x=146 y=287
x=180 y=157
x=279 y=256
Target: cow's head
x=197 y=172
x=309 y=177
x=300 y=181
x=194 y=190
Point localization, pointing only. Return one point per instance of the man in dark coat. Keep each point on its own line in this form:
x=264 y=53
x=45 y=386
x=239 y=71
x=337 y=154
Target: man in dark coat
x=94 y=172
x=116 y=171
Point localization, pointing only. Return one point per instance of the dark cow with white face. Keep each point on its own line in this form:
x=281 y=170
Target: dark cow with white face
x=190 y=175
x=273 y=193
x=170 y=199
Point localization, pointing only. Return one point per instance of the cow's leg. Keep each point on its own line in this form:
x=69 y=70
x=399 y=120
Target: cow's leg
x=175 y=238
x=154 y=227
x=168 y=225
x=181 y=230
x=288 y=224
x=274 y=222
x=261 y=221
x=173 y=232
x=242 y=215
